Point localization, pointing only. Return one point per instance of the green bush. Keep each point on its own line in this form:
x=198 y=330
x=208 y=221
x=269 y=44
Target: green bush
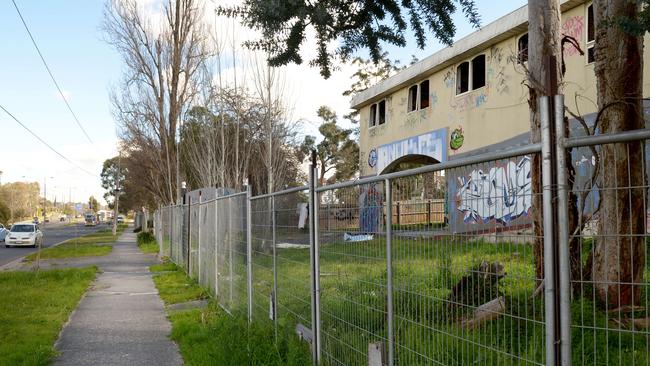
x=145 y=237
x=147 y=242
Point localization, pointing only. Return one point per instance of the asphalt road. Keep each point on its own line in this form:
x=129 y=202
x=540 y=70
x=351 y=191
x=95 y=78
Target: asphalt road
x=53 y=233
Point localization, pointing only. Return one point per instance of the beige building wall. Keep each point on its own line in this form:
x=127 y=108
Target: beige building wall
x=489 y=115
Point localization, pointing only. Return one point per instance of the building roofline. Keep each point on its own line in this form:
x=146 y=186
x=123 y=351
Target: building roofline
x=511 y=24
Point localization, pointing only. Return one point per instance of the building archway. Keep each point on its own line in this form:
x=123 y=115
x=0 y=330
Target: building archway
x=409 y=161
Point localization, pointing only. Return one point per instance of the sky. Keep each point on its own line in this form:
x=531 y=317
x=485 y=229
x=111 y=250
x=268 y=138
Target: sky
x=70 y=38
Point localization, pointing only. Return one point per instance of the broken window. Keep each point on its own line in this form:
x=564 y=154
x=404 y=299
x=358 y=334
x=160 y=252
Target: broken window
x=462 y=78
x=424 y=94
x=522 y=49
x=382 y=112
x=478 y=72
x=413 y=98
x=373 y=115
x=591 y=34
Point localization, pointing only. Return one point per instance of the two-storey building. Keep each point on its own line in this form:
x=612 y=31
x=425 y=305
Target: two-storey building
x=471 y=98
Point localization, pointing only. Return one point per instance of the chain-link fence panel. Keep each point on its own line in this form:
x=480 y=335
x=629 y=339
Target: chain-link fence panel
x=352 y=255
x=293 y=269
x=607 y=226
x=231 y=246
x=262 y=258
x=207 y=245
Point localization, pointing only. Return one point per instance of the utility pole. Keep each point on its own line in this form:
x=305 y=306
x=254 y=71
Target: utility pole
x=117 y=193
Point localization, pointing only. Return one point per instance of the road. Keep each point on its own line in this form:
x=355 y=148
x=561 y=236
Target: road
x=53 y=233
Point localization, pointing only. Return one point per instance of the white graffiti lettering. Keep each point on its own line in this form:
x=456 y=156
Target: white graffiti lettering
x=503 y=194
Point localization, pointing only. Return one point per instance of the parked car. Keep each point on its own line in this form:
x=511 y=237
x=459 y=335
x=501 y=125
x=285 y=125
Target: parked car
x=120 y=219
x=24 y=235
x=3 y=233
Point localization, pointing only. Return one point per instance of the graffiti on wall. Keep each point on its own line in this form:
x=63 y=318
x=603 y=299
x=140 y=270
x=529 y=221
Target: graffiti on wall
x=502 y=194
x=430 y=144
x=450 y=78
x=573 y=27
x=468 y=101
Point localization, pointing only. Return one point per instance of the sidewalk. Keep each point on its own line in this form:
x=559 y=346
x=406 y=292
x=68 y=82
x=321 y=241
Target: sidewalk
x=121 y=319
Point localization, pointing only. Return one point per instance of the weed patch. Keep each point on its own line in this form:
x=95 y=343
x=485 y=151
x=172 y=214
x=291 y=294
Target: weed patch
x=33 y=308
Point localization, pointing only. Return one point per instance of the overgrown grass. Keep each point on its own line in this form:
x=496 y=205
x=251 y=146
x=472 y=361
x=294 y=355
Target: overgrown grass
x=174 y=286
x=98 y=243
x=147 y=243
x=209 y=336
x=427 y=323
x=33 y=308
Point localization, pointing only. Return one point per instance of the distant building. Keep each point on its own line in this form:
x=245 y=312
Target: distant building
x=468 y=99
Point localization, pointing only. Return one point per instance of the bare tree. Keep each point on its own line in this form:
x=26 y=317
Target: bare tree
x=161 y=65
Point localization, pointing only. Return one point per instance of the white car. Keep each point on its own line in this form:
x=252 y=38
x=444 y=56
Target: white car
x=120 y=219
x=3 y=233
x=24 y=235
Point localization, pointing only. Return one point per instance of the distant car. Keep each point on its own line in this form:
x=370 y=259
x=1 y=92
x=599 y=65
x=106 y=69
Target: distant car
x=120 y=219
x=3 y=233
x=61 y=219
x=24 y=235
x=46 y=220
x=90 y=220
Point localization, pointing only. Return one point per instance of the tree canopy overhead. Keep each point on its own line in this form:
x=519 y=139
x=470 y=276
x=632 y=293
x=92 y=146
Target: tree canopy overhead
x=356 y=24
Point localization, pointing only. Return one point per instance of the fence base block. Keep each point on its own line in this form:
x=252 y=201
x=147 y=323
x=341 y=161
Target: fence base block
x=377 y=354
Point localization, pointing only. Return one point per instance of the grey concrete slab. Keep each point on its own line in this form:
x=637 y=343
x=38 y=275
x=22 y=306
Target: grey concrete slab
x=121 y=320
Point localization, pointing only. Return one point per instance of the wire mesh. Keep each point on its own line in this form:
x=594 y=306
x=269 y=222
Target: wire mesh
x=293 y=266
x=462 y=286
x=231 y=249
x=351 y=239
x=608 y=226
x=207 y=245
x=450 y=274
x=262 y=260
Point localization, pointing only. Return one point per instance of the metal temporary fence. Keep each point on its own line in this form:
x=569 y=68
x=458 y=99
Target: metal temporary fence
x=492 y=272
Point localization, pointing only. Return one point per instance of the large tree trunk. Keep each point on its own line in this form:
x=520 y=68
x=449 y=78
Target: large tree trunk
x=619 y=255
x=544 y=75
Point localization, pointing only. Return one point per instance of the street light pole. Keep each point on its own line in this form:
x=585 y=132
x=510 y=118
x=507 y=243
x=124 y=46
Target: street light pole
x=45 y=198
x=117 y=193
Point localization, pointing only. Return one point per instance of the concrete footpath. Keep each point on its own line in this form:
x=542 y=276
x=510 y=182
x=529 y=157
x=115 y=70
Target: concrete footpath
x=121 y=319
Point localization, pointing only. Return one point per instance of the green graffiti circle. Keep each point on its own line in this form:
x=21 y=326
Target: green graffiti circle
x=457 y=139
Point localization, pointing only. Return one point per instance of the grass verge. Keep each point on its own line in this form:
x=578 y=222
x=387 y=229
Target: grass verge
x=147 y=243
x=33 y=315
x=90 y=245
x=209 y=336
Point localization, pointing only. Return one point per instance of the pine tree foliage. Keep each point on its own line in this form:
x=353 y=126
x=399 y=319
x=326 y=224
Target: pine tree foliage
x=355 y=24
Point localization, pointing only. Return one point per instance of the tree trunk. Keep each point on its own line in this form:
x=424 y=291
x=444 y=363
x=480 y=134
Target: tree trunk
x=544 y=75
x=619 y=255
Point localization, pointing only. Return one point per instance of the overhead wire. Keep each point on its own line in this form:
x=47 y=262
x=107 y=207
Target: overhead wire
x=45 y=143
x=50 y=72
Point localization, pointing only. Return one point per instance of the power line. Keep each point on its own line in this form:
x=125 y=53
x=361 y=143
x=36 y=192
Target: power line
x=50 y=72
x=45 y=143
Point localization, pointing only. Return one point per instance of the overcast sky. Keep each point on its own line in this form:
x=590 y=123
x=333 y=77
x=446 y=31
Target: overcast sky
x=69 y=36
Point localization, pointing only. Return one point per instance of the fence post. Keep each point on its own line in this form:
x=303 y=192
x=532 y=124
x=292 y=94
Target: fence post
x=313 y=241
x=275 y=270
x=249 y=253
x=216 y=248
x=229 y=238
x=198 y=238
x=389 y=271
x=563 y=234
x=429 y=217
x=547 y=211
